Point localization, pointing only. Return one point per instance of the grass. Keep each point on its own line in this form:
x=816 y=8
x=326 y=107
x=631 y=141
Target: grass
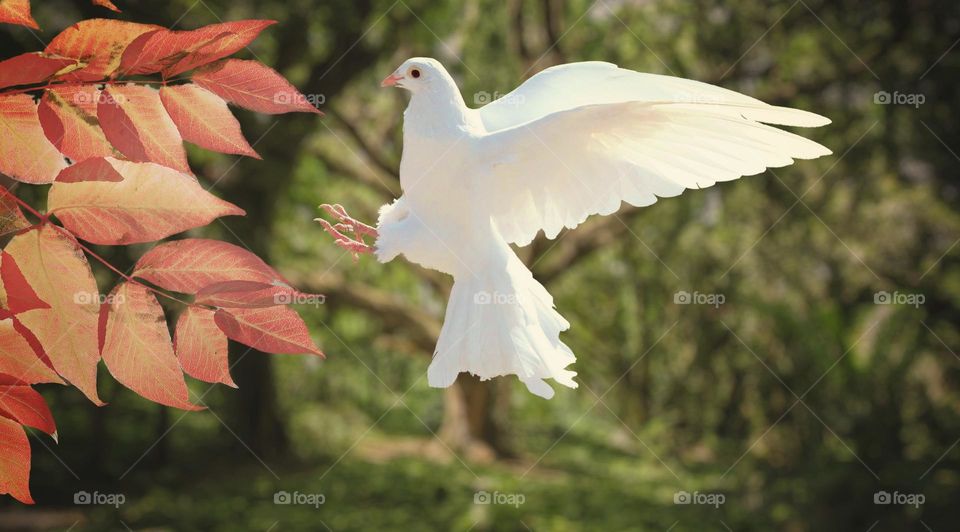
x=575 y=489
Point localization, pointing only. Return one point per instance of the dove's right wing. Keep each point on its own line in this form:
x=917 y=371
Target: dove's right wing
x=572 y=85
x=556 y=170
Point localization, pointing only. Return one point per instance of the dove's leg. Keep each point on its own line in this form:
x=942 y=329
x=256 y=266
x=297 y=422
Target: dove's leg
x=347 y=224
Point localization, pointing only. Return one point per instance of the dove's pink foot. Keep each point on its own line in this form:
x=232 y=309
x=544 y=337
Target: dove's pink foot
x=347 y=224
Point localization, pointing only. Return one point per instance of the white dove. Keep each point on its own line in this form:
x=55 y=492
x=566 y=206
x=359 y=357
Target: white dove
x=572 y=141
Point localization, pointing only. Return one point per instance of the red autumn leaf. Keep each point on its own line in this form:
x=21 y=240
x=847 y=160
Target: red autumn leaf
x=228 y=38
x=25 y=153
x=137 y=348
x=54 y=265
x=26 y=406
x=17 y=12
x=246 y=294
x=11 y=217
x=153 y=51
x=135 y=122
x=107 y=4
x=35 y=345
x=30 y=68
x=189 y=265
x=202 y=347
x=102 y=324
x=178 y=51
x=152 y=202
x=252 y=85
x=16 y=294
x=97 y=42
x=97 y=169
x=270 y=329
x=204 y=119
x=18 y=359
x=14 y=461
x=69 y=119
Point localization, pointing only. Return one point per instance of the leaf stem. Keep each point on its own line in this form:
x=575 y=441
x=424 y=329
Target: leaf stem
x=53 y=85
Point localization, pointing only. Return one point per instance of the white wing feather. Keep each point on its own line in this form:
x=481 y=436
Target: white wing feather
x=594 y=82
x=579 y=139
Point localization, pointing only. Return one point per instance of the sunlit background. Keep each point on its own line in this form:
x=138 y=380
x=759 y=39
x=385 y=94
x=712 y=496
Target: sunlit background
x=780 y=352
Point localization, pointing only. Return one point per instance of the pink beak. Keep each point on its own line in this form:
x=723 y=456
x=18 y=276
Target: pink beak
x=390 y=80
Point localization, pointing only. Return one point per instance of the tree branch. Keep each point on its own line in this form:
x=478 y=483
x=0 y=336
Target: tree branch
x=398 y=316
x=375 y=156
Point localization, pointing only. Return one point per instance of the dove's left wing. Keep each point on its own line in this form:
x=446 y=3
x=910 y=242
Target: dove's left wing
x=556 y=170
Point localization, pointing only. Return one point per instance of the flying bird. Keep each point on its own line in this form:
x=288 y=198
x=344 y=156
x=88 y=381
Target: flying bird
x=572 y=141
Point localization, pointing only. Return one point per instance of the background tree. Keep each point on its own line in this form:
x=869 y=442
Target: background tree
x=799 y=398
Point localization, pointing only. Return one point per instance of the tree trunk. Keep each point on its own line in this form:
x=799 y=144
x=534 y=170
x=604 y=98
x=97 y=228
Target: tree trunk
x=474 y=418
x=257 y=418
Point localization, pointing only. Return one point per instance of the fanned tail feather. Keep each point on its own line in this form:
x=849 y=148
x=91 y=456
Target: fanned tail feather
x=501 y=321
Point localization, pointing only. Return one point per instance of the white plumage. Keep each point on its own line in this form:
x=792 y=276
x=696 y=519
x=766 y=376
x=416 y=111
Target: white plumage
x=572 y=141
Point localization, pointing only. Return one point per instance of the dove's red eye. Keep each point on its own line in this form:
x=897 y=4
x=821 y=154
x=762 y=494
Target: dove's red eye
x=415 y=73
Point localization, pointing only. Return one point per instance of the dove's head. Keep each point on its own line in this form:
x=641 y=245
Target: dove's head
x=420 y=74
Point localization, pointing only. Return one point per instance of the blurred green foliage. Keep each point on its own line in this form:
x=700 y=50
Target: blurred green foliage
x=798 y=398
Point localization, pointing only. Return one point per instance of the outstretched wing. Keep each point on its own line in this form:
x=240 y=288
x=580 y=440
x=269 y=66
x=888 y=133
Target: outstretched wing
x=582 y=138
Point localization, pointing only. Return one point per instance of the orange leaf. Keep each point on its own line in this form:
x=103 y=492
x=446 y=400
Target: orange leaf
x=69 y=119
x=137 y=349
x=11 y=217
x=97 y=42
x=54 y=265
x=97 y=169
x=25 y=406
x=30 y=68
x=152 y=202
x=178 y=51
x=135 y=122
x=204 y=119
x=202 y=347
x=246 y=294
x=17 y=12
x=14 y=461
x=188 y=265
x=228 y=38
x=16 y=294
x=19 y=360
x=25 y=153
x=107 y=4
x=270 y=329
x=252 y=85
